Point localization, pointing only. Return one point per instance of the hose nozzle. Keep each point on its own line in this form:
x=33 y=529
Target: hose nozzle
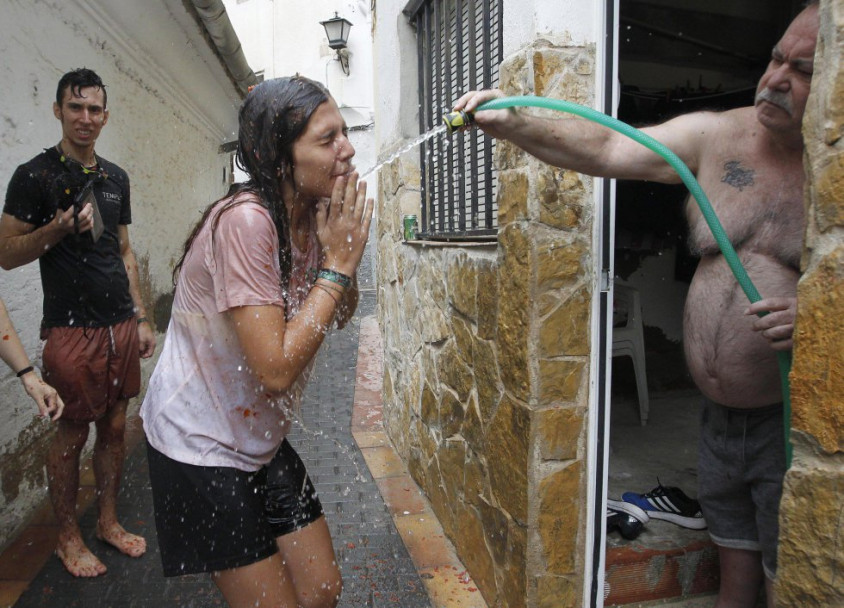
x=456 y=121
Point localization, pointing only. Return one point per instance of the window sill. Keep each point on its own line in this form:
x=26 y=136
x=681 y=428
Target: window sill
x=462 y=242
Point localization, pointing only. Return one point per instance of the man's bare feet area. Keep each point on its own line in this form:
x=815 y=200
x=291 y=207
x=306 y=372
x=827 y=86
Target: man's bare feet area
x=125 y=542
x=78 y=559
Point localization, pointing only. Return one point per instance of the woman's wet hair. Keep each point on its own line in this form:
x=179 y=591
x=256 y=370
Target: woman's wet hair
x=273 y=116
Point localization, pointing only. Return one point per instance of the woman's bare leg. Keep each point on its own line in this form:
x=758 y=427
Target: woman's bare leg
x=264 y=584
x=309 y=556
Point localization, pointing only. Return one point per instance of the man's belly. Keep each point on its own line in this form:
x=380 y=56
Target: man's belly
x=730 y=363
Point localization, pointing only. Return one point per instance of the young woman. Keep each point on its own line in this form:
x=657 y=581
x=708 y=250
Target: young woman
x=263 y=276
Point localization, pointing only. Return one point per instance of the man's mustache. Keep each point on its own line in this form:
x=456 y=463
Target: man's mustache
x=778 y=98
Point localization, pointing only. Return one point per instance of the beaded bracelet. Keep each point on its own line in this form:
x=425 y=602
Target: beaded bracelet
x=25 y=371
x=335 y=277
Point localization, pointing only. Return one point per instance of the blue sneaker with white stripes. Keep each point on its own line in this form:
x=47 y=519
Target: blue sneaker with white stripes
x=669 y=504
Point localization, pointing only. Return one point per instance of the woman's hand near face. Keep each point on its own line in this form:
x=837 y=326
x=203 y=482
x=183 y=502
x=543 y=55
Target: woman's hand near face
x=343 y=224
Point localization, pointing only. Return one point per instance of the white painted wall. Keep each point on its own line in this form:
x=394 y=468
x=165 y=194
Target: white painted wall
x=282 y=38
x=560 y=22
x=396 y=78
x=171 y=106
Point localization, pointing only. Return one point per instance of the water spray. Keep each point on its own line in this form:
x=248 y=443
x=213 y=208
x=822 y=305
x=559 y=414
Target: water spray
x=455 y=121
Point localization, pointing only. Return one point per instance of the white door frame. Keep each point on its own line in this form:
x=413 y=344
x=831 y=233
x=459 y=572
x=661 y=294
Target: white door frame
x=606 y=96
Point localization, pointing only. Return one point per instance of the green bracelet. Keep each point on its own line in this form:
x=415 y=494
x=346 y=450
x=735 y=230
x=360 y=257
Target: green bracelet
x=142 y=320
x=335 y=277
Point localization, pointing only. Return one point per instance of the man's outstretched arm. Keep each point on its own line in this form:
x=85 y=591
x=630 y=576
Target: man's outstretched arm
x=593 y=149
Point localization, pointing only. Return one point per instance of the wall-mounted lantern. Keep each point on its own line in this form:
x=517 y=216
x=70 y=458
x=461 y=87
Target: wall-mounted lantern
x=337 y=31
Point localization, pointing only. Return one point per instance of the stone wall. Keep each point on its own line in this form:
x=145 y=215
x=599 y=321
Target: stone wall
x=486 y=358
x=811 y=558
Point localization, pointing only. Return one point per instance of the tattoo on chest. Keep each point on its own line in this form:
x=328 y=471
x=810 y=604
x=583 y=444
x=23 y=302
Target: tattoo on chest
x=737 y=176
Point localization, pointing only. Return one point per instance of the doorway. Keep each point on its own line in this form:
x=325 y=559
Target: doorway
x=674 y=57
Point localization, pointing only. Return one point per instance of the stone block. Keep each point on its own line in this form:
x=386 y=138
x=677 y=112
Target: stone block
x=487 y=300
x=810 y=559
x=474 y=552
x=513 y=579
x=829 y=209
x=564 y=73
x=559 y=380
x=514 y=313
x=463 y=286
x=557 y=591
x=454 y=372
x=562 y=197
x=387 y=393
x=452 y=459
x=432 y=281
x=432 y=325
x=508 y=452
x=514 y=75
x=509 y=156
x=410 y=174
x=475 y=489
x=440 y=503
x=559 y=431
x=565 y=332
x=496 y=526
x=430 y=410
x=387 y=269
x=389 y=180
x=452 y=413
x=412 y=389
x=429 y=364
x=512 y=197
x=818 y=368
x=463 y=340
x=559 y=519
x=410 y=203
x=559 y=263
x=548 y=65
x=487 y=380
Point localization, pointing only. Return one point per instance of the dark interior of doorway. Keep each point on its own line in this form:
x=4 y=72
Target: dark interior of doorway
x=675 y=56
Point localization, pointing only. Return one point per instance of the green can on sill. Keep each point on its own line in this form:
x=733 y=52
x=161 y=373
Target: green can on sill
x=410 y=227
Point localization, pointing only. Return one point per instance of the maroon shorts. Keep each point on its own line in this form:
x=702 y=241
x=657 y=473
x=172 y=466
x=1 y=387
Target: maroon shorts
x=92 y=368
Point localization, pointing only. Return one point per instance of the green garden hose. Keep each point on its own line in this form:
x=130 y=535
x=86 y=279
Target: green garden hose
x=729 y=253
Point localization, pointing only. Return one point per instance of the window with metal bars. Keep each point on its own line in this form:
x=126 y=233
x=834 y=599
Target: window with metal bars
x=460 y=48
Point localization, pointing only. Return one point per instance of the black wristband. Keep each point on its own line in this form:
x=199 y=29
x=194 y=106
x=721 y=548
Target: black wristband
x=25 y=371
x=335 y=277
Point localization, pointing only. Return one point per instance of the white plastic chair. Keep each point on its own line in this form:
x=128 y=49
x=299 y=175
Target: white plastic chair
x=627 y=339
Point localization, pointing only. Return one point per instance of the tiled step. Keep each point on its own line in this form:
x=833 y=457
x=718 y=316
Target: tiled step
x=637 y=573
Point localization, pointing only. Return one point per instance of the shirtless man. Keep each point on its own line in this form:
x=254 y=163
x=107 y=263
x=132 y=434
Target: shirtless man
x=750 y=163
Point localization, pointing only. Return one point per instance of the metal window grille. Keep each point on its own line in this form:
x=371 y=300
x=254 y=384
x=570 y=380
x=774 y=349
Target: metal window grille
x=460 y=48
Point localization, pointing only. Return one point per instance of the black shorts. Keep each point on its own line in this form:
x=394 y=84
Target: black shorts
x=216 y=518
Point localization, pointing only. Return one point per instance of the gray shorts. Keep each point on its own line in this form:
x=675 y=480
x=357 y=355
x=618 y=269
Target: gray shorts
x=741 y=465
